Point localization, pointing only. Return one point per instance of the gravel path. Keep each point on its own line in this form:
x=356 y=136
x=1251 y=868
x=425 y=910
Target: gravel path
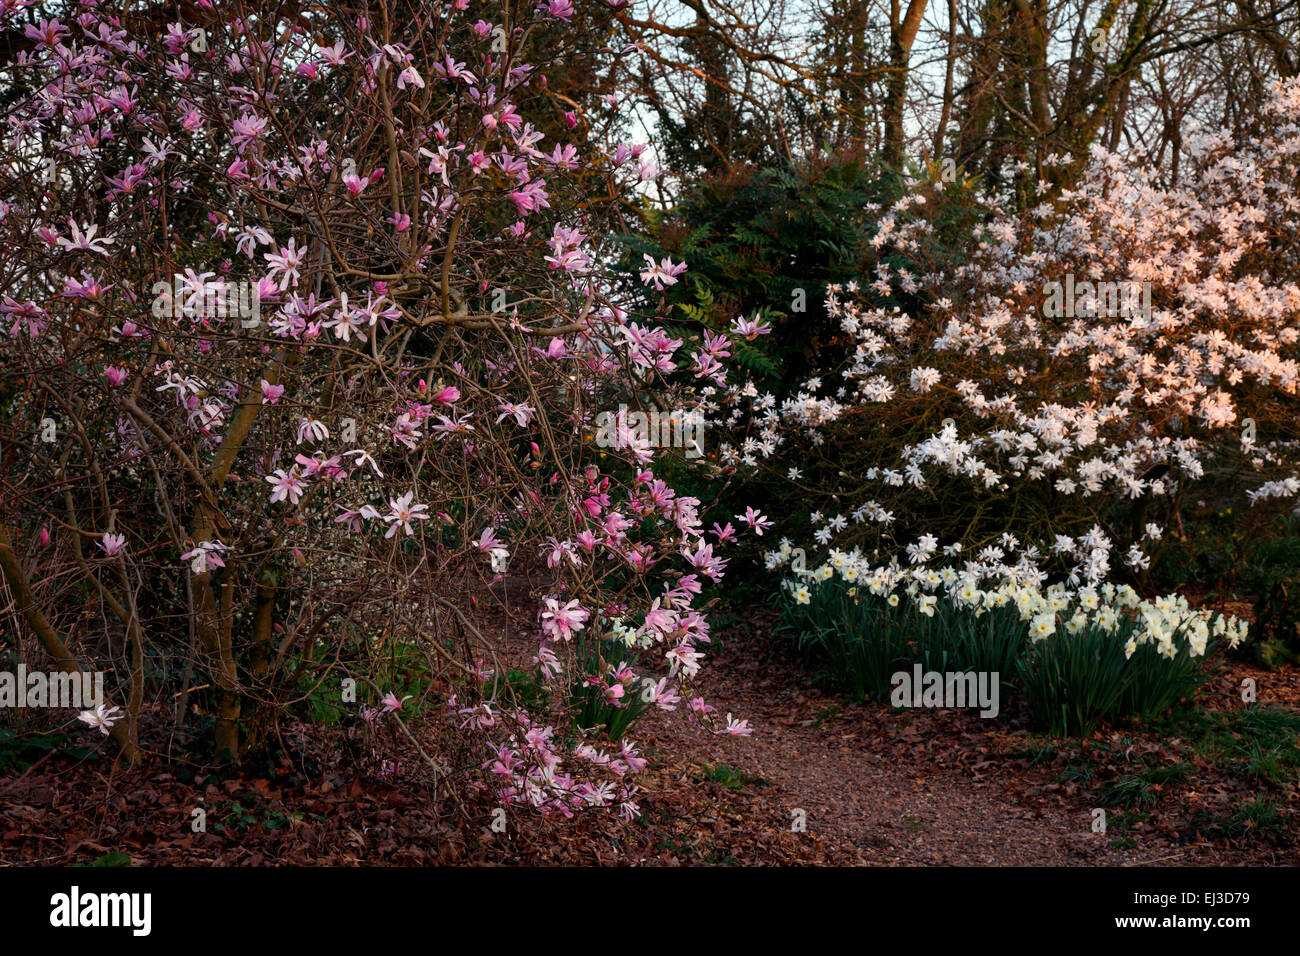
x=890 y=787
x=879 y=787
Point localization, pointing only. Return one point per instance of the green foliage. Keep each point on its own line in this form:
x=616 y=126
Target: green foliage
x=1142 y=790
x=728 y=777
x=525 y=689
x=399 y=667
x=1252 y=746
x=1255 y=744
x=1073 y=682
x=859 y=642
x=235 y=814
x=863 y=641
x=1272 y=574
x=1256 y=816
x=591 y=706
x=1251 y=555
x=19 y=750
x=1129 y=790
x=1217 y=551
x=765 y=242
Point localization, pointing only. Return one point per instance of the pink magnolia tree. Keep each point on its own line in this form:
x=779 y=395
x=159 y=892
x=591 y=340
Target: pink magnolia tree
x=306 y=327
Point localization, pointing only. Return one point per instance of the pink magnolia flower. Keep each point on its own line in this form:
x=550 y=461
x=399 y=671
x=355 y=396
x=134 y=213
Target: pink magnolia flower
x=699 y=710
x=663 y=274
x=85 y=241
x=311 y=430
x=736 y=728
x=116 y=376
x=662 y=696
x=402 y=513
x=685 y=657
x=286 y=261
x=750 y=329
x=494 y=548
x=452 y=426
x=531 y=197
x=703 y=559
x=755 y=520
x=355 y=184
x=24 y=313
x=724 y=533
x=630 y=756
x=561 y=621
x=391 y=703
x=409 y=76
x=522 y=413
x=561 y=9
x=271 y=393
x=288 y=485
x=205 y=556
x=47 y=32
x=113 y=544
x=547 y=661
x=349 y=518
x=558 y=551
x=364 y=457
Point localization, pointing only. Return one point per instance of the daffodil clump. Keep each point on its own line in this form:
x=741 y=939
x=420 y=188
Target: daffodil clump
x=1079 y=655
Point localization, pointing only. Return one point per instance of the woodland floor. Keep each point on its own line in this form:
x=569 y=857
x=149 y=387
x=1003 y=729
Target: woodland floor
x=876 y=787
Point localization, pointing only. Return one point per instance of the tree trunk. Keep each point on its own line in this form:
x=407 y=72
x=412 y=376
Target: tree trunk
x=122 y=731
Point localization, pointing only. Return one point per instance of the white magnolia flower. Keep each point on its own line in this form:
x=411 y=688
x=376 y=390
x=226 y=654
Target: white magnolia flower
x=102 y=717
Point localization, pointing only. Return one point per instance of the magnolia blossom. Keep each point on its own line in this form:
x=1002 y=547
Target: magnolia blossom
x=286 y=262
x=662 y=274
x=402 y=512
x=102 y=717
x=390 y=702
x=756 y=521
x=288 y=485
x=736 y=728
x=561 y=621
x=271 y=393
x=205 y=556
x=85 y=240
x=504 y=454
x=310 y=430
x=749 y=328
